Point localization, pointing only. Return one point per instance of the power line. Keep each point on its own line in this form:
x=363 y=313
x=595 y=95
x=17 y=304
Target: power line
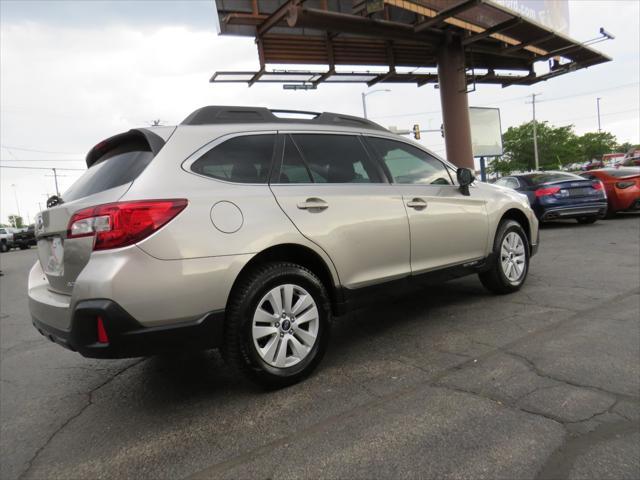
x=16 y=159
x=514 y=99
x=44 y=168
x=553 y=99
x=602 y=115
x=38 y=151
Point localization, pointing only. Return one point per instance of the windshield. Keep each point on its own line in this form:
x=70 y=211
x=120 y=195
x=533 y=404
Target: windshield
x=623 y=172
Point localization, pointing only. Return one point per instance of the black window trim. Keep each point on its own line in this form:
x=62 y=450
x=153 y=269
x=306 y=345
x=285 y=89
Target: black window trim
x=380 y=161
x=195 y=156
x=275 y=177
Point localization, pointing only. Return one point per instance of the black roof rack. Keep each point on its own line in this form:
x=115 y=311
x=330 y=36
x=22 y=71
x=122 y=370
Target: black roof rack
x=216 y=114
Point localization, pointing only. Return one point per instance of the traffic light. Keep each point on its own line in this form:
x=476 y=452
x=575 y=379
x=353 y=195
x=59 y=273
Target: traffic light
x=416 y=131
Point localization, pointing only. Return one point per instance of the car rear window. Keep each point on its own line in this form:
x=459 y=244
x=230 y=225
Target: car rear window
x=118 y=166
x=547 y=177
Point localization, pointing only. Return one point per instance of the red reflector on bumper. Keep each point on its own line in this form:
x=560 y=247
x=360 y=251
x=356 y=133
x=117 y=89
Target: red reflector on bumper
x=102 y=333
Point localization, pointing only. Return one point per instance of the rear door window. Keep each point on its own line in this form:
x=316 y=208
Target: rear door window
x=336 y=158
x=244 y=159
x=118 y=166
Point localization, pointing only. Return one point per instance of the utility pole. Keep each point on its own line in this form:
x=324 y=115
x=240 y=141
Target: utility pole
x=535 y=130
x=598 y=104
x=15 y=195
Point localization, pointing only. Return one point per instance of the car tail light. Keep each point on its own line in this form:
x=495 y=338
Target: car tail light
x=597 y=185
x=120 y=224
x=543 y=192
x=625 y=184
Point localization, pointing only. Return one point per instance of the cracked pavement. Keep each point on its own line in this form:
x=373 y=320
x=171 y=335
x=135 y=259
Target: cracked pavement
x=454 y=383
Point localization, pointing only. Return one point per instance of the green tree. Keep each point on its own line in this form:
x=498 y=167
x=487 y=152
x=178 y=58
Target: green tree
x=16 y=221
x=595 y=144
x=556 y=146
x=625 y=147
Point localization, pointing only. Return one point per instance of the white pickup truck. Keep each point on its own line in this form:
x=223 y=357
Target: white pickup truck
x=6 y=239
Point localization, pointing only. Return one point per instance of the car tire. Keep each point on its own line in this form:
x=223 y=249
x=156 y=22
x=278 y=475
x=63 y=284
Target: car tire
x=4 y=247
x=253 y=311
x=24 y=247
x=587 y=220
x=510 y=240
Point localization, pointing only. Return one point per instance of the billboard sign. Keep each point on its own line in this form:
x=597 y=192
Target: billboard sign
x=553 y=14
x=486 y=132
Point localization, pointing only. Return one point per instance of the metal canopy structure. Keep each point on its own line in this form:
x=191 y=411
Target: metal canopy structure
x=500 y=46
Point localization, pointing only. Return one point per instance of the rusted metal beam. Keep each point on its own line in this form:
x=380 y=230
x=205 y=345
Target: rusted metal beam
x=325 y=75
x=345 y=23
x=244 y=19
x=520 y=46
x=382 y=78
x=445 y=14
x=256 y=77
x=501 y=27
x=278 y=16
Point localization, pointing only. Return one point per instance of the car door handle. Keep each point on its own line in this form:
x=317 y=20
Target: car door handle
x=417 y=203
x=313 y=204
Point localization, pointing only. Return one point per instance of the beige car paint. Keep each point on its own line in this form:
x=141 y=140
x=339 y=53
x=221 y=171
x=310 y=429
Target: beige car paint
x=188 y=267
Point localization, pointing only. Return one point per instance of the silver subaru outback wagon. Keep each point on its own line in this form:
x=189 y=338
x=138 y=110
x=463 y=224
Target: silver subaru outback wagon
x=244 y=230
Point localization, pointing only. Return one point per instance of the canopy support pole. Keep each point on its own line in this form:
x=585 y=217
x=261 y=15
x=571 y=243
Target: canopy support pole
x=455 y=107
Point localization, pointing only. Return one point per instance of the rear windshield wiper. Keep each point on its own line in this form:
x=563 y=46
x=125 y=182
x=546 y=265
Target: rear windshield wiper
x=54 y=200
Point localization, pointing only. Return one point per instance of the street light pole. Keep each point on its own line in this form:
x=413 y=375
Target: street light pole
x=598 y=104
x=15 y=194
x=364 y=99
x=55 y=177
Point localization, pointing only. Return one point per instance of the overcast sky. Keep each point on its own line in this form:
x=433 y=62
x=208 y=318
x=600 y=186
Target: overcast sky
x=75 y=72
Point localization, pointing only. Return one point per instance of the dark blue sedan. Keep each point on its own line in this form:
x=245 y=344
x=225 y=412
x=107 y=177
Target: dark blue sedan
x=557 y=195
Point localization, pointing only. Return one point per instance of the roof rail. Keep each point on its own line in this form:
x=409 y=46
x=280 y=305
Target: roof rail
x=216 y=114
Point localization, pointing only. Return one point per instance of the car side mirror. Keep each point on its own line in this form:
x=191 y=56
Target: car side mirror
x=465 y=178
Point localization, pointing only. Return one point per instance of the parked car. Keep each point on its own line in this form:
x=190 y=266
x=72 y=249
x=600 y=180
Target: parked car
x=25 y=238
x=248 y=232
x=6 y=239
x=631 y=162
x=592 y=165
x=558 y=195
x=622 y=186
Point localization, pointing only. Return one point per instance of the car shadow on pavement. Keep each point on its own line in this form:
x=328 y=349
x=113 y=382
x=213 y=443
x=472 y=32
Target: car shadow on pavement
x=572 y=223
x=171 y=379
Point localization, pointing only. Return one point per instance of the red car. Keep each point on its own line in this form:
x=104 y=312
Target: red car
x=622 y=186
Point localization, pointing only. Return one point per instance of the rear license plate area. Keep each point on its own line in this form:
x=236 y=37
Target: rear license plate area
x=55 y=257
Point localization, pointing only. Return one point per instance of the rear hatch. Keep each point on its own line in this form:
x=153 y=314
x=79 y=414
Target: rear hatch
x=565 y=189
x=113 y=165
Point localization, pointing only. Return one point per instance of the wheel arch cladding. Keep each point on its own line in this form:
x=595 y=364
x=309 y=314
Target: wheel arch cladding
x=300 y=255
x=520 y=217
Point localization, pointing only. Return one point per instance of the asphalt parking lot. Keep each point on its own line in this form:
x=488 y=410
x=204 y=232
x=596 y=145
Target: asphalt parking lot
x=456 y=383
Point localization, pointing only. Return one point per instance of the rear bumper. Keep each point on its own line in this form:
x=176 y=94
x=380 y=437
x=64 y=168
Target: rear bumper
x=597 y=209
x=126 y=336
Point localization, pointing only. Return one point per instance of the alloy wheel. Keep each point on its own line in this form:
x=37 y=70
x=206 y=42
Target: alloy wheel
x=285 y=325
x=512 y=257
